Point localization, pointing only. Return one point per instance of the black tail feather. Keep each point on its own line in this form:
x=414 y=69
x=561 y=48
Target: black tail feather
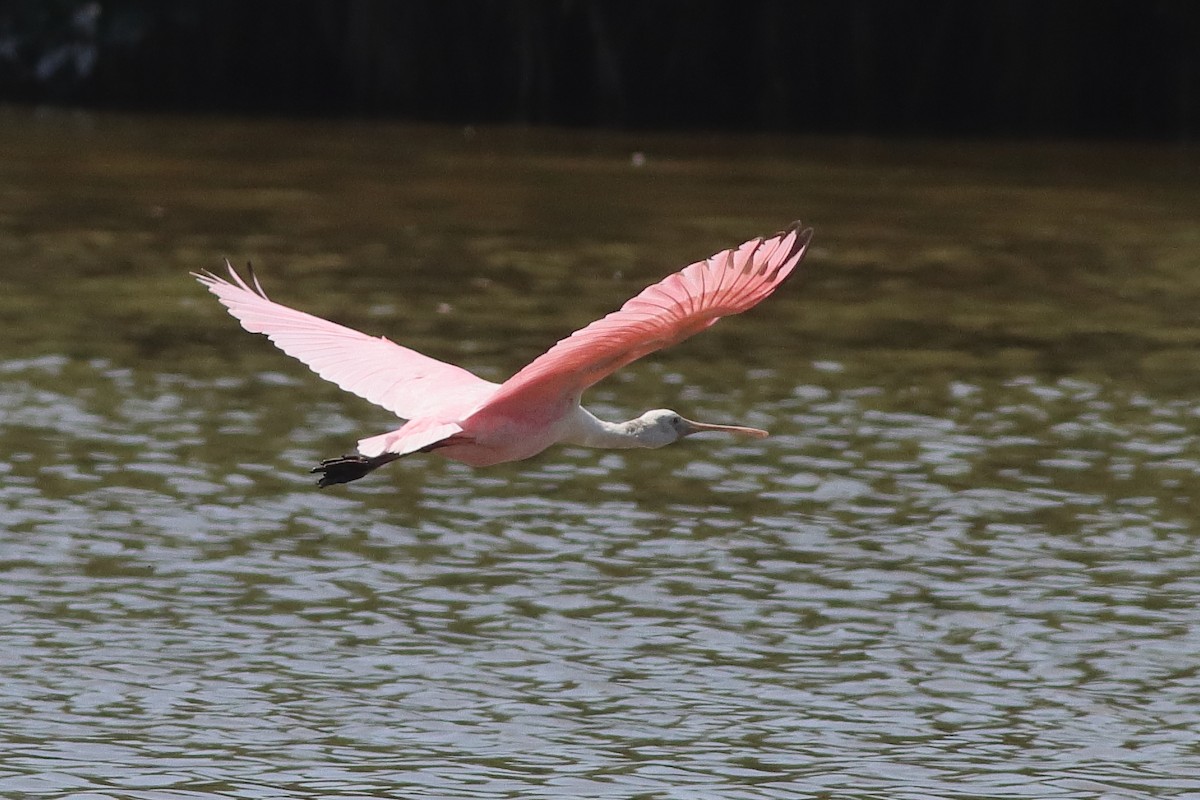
x=344 y=469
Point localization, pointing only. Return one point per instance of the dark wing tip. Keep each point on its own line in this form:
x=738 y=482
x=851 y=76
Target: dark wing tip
x=799 y=246
x=211 y=279
x=254 y=279
x=803 y=236
x=253 y=285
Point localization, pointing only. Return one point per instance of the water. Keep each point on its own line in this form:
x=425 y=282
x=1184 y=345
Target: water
x=964 y=565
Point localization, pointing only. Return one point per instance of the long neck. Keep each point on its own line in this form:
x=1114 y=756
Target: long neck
x=585 y=429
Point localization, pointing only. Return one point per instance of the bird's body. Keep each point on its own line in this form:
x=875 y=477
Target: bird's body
x=460 y=416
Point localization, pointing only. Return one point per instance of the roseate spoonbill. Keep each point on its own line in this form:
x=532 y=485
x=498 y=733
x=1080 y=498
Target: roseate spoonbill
x=463 y=417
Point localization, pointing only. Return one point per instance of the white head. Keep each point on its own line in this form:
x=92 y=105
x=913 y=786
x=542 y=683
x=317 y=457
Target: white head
x=663 y=426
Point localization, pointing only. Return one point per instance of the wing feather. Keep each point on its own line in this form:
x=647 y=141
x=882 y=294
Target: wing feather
x=680 y=305
x=401 y=380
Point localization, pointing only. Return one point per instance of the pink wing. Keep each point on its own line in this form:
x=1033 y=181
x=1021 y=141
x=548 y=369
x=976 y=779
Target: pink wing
x=670 y=311
x=401 y=380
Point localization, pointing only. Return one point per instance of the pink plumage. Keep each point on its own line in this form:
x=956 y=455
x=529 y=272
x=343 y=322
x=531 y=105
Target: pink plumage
x=463 y=417
x=403 y=381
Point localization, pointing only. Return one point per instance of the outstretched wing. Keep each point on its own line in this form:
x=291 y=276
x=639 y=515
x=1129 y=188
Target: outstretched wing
x=399 y=379
x=670 y=311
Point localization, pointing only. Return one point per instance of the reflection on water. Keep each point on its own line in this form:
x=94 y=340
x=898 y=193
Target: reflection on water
x=964 y=565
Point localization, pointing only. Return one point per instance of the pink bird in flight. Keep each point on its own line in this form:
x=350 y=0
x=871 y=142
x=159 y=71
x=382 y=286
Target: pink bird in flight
x=459 y=415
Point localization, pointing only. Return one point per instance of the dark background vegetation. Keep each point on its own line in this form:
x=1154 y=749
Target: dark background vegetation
x=1098 y=68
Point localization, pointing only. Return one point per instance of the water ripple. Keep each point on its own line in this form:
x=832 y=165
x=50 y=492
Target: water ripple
x=991 y=602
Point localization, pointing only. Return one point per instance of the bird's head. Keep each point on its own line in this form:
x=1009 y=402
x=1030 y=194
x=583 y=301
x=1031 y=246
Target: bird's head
x=663 y=426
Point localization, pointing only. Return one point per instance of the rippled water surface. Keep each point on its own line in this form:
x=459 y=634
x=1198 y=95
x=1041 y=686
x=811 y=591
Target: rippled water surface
x=966 y=563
